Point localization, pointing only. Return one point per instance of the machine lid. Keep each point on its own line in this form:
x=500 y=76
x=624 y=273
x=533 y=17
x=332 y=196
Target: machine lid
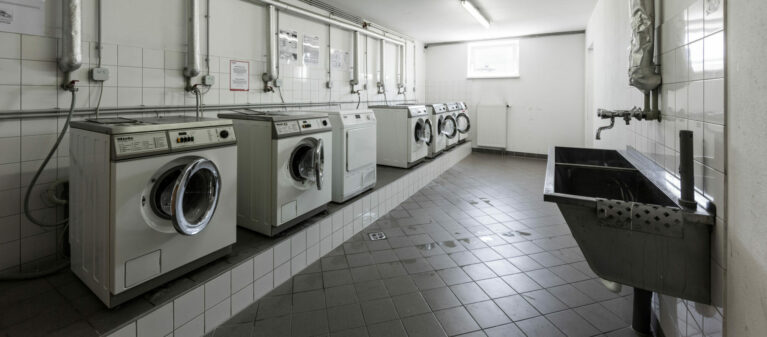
x=187 y=194
x=271 y=116
x=453 y=107
x=114 y=126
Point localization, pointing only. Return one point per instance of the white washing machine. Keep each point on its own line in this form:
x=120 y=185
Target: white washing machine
x=151 y=199
x=404 y=134
x=453 y=110
x=282 y=165
x=463 y=122
x=354 y=152
x=444 y=128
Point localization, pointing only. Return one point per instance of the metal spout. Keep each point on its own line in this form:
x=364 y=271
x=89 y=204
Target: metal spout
x=602 y=128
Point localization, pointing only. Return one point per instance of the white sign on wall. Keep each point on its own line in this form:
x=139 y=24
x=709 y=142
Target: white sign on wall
x=239 y=75
x=288 y=46
x=338 y=58
x=311 y=49
x=23 y=16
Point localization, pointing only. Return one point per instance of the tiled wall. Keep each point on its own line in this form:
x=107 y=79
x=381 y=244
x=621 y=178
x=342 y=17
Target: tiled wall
x=204 y=308
x=143 y=49
x=691 y=55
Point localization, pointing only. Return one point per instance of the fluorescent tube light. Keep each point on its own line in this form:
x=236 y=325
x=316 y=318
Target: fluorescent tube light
x=475 y=13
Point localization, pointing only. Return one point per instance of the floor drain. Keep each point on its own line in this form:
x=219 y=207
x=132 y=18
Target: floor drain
x=377 y=236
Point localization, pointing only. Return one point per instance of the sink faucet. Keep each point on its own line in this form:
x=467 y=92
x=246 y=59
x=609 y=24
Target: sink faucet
x=625 y=114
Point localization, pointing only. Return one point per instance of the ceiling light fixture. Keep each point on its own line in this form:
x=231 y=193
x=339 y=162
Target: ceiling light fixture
x=469 y=7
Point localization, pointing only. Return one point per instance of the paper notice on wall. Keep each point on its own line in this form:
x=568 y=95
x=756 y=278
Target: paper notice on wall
x=23 y=16
x=288 y=46
x=311 y=49
x=339 y=59
x=239 y=75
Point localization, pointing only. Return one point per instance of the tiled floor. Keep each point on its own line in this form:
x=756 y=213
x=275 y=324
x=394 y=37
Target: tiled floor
x=475 y=253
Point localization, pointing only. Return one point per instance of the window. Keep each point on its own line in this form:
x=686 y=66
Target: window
x=497 y=59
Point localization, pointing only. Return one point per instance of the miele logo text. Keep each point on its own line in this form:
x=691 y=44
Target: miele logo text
x=124 y=138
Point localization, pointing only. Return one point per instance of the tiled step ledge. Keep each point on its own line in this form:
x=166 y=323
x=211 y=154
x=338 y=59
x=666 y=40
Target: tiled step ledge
x=204 y=308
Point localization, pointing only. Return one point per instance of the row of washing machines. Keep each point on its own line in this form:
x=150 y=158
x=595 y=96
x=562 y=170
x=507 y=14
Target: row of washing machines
x=154 y=198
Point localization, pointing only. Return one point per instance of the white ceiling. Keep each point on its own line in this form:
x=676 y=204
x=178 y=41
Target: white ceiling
x=446 y=20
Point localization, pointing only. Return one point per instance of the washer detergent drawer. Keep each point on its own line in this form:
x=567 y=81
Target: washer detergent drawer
x=360 y=148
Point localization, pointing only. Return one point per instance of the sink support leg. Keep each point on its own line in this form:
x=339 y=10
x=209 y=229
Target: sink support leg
x=642 y=311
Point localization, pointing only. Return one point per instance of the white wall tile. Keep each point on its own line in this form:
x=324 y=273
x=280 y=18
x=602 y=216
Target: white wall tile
x=263 y=285
x=298 y=263
x=10 y=98
x=695 y=21
x=713 y=56
x=188 y=306
x=152 y=78
x=153 y=58
x=695 y=100
x=312 y=254
x=282 y=273
x=9 y=253
x=129 y=56
x=713 y=100
x=39 y=97
x=194 y=328
x=11 y=71
x=714 y=16
x=242 y=299
x=282 y=252
x=263 y=264
x=242 y=275
x=217 y=315
x=158 y=323
x=153 y=96
x=37 y=246
x=127 y=97
x=11 y=43
x=313 y=235
x=36 y=147
x=713 y=146
x=713 y=187
x=298 y=243
x=126 y=331
x=38 y=48
x=10 y=150
x=129 y=76
x=695 y=62
x=38 y=73
x=217 y=290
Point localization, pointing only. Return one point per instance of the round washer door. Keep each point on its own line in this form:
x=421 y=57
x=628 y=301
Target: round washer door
x=186 y=193
x=449 y=128
x=428 y=131
x=462 y=122
x=422 y=131
x=307 y=162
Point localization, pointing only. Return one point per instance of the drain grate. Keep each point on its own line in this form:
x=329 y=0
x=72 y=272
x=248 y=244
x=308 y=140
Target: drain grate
x=375 y=236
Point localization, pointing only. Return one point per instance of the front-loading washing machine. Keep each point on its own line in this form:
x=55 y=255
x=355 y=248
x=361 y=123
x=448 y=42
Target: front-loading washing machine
x=354 y=152
x=151 y=199
x=283 y=158
x=462 y=122
x=404 y=134
x=453 y=110
x=444 y=128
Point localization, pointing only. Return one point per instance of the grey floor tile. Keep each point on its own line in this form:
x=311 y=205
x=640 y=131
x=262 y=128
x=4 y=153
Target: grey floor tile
x=508 y=251
x=239 y=330
x=401 y=241
x=312 y=323
x=378 y=245
x=544 y=301
x=521 y=283
x=456 y=321
x=365 y=273
x=305 y=282
x=340 y=295
x=400 y=285
x=539 y=327
x=568 y=273
x=274 y=306
x=495 y=287
x=524 y=263
x=345 y=317
x=454 y=275
x=572 y=324
x=441 y=298
x=336 y=278
x=600 y=317
x=378 y=311
x=464 y=258
x=507 y=330
x=527 y=247
x=416 y=265
x=309 y=300
x=425 y=325
x=479 y=271
x=469 y=293
x=361 y=259
x=570 y=296
x=621 y=307
x=546 y=259
x=486 y=254
x=371 y=290
x=516 y=308
x=387 y=329
x=502 y=267
x=427 y=280
x=407 y=253
x=545 y=278
x=355 y=332
x=355 y=247
x=595 y=290
x=487 y=314
x=273 y=327
x=383 y=256
x=334 y=262
x=410 y=304
x=441 y=262
x=391 y=269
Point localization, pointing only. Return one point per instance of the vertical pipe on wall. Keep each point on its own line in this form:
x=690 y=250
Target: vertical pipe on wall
x=356 y=62
x=381 y=67
x=71 y=52
x=193 y=66
x=402 y=68
x=272 y=72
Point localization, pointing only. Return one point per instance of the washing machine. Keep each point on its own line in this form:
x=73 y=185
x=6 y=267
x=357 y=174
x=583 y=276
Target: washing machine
x=354 y=152
x=151 y=199
x=453 y=109
x=444 y=128
x=283 y=158
x=462 y=122
x=404 y=134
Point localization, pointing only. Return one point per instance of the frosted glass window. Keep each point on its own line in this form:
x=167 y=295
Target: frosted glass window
x=495 y=59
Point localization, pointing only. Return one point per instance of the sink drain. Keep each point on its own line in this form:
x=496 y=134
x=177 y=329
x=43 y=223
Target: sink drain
x=377 y=236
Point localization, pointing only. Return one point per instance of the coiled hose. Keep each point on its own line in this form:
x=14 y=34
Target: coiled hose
x=62 y=223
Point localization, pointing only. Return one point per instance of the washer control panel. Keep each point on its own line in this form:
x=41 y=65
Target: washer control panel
x=417 y=110
x=359 y=118
x=201 y=137
x=284 y=129
x=140 y=143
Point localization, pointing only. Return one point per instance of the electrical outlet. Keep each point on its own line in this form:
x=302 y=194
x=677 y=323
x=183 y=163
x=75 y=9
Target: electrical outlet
x=208 y=80
x=278 y=82
x=100 y=74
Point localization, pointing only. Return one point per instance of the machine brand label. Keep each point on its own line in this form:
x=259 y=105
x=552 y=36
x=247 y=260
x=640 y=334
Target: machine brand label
x=140 y=143
x=287 y=127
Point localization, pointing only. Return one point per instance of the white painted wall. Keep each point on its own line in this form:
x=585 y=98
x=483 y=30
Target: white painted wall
x=692 y=98
x=546 y=100
x=746 y=295
x=144 y=49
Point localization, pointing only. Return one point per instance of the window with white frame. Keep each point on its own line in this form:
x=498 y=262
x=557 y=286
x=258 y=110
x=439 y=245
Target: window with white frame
x=495 y=59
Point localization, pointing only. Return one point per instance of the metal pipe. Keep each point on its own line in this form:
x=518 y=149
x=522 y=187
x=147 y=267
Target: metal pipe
x=71 y=35
x=642 y=314
x=324 y=19
x=402 y=67
x=686 y=171
x=193 y=66
x=381 y=67
x=273 y=71
x=356 y=73
x=642 y=69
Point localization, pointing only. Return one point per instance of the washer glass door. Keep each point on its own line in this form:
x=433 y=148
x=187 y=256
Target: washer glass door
x=422 y=131
x=307 y=162
x=186 y=193
x=449 y=128
x=462 y=123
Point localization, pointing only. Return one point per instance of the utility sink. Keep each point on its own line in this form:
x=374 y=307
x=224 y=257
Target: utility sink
x=623 y=211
